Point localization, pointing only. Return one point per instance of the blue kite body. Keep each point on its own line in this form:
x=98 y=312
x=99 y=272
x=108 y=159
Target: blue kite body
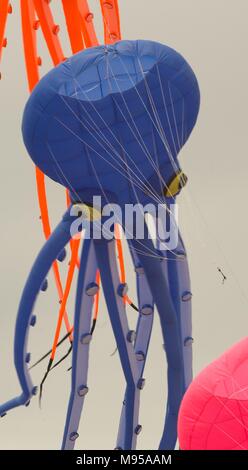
x=101 y=95
x=111 y=121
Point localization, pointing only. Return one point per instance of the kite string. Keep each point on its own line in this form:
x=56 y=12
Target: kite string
x=143 y=146
x=99 y=155
x=118 y=220
x=141 y=141
x=105 y=124
x=141 y=137
x=146 y=152
x=135 y=193
x=100 y=185
x=98 y=130
x=165 y=142
x=158 y=120
x=62 y=170
x=86 y=145
x=142 y=101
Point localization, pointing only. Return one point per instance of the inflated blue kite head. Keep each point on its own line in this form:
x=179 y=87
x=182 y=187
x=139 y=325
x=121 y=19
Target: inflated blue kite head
x=111 y=120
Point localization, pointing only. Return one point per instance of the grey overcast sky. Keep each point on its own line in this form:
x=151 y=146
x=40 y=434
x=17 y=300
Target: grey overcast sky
x=213 y=37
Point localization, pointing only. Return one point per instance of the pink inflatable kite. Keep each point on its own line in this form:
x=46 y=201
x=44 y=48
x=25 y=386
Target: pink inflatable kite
x=214 y=411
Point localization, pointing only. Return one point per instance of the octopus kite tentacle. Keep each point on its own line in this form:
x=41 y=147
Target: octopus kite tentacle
x=53 y=246
x=114 y=292
x=175 y=267
x=86 y=290
x=142 y=336
x=180 y=288
x=171 y=336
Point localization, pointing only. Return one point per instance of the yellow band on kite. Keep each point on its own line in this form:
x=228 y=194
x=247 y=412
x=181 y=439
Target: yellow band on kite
x=174 y=187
